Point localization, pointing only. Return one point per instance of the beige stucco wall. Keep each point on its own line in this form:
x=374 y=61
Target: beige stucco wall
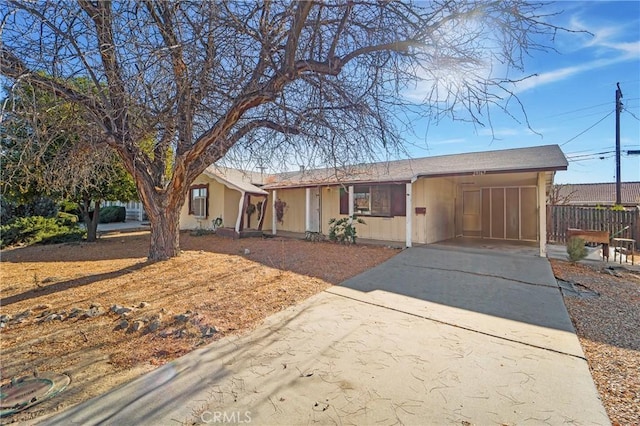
x=231 y=206
x=293 y=218
x=217 y=205
x=438 y=196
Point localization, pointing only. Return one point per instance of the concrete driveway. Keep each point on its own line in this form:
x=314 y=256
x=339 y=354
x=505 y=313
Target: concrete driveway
x=435 y=335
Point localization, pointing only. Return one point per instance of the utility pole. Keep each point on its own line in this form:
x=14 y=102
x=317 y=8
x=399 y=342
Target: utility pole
x=618 y=111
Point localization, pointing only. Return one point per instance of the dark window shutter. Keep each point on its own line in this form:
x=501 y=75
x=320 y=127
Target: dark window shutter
x=344 y=201
x=398 y=200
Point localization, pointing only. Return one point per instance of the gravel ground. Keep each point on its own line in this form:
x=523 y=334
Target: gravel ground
x=608 y=327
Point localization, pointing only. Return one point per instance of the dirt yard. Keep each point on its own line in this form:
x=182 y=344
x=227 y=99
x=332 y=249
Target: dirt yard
x=608 y=327
x=104 y=315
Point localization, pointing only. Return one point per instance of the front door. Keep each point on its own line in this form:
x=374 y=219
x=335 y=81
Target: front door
x=314 y=210
x=471 y=223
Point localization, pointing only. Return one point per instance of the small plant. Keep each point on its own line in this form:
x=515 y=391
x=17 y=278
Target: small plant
x=314 y=236
x=343 y=230
x=576 y=250
x=617 y=208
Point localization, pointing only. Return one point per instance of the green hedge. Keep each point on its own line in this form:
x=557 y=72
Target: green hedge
x=112 y=214
x=38 y=229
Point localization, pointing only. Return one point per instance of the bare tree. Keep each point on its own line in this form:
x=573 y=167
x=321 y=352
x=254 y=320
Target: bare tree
x=561 y=195
x=326 y=79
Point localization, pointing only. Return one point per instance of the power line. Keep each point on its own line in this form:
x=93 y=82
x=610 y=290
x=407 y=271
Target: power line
x=632 y=114
x=587 y=129
x=580 y=109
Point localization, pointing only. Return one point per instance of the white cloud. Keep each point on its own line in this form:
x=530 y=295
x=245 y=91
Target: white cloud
x=604 y=48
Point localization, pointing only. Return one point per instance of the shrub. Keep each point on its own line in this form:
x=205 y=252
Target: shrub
x=112 y=214
x=7 y=210
x=38 y=229
x=576 y=250
x=67 y=218
x=344 y=230
x=45 y=207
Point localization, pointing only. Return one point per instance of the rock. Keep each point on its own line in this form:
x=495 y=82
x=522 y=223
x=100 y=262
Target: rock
x=181 y=333
x=208 y=331
x=94 y=311
x=22 y=315
x=136 y=326
x=143 y=305
x=117 y=309
x=51 y=280
x=75 y=312
x=247 y=251
x=153 y=326
x=5 y=318
x=52 y=317
x=183 y=317
x=3 y=324
x=123 y=324
x=95 y=305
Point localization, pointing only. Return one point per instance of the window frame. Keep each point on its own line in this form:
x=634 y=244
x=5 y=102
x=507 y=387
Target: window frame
x=193 y=197
x=394 y=192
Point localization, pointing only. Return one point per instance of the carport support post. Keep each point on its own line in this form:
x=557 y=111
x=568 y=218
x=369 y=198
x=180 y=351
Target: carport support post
x=542 y=213
x=274 y=217
x=307 y=209
x=409 y=216
x=350 y=203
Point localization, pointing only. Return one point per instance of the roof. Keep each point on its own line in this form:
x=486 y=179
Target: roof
x=234 y=179
x=539 y=158
x=599 y=193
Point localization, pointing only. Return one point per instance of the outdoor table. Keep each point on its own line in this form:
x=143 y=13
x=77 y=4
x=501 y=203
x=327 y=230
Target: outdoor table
x=626 y=243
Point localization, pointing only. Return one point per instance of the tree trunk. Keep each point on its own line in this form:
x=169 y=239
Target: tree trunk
x=165 y=230
x=91 y=222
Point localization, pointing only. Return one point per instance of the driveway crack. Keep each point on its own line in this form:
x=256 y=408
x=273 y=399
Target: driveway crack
x=461 y=327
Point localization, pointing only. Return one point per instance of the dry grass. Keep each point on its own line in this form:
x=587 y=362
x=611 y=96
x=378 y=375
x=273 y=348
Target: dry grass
x=609 y=330
x=213 y=282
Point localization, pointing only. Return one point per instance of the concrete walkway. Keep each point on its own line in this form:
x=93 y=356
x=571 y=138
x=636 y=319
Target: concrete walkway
x=433 y=336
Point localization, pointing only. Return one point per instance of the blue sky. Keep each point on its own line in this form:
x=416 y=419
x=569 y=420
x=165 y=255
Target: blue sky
x=574 y=90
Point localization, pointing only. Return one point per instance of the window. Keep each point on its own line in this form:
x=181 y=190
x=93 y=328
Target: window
x=375 y=200
x=199 y=201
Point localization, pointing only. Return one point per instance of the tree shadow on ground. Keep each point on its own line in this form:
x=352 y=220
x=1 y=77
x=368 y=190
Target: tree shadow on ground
x=70 y=284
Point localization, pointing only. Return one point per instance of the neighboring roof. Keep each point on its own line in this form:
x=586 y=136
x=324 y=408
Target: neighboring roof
x=539 y=158
x=234 y=179
x=599 y=193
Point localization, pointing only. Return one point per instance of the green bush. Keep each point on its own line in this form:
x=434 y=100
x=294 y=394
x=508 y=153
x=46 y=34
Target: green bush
x=576 y=249
x=344 y=230
x=112 y=214
x=38 y=229
x=67 y=218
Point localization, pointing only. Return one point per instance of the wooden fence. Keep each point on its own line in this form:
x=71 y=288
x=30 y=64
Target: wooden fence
x=559 y=218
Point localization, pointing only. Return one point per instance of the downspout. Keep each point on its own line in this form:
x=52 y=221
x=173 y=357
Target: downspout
x=409 y=215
